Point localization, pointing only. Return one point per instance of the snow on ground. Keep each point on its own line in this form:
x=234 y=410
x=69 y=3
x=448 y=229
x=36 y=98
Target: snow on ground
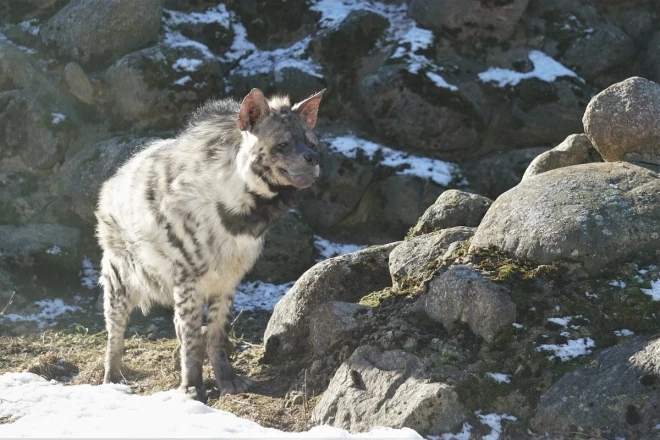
x=654 y=291
x=624 y=332
x=181 y=81
x=265 y=61
x=31 y=26
x=174 y=38
x=518 y=325
x=55 y=250
x=187 y=64
x=89 y=275
x=561 y=321
x=545 y=68
x=50 y=309
x=57 y=118
x=495 y=422
x=405 y=37
x=252 y=295
x=48 y=410
x=570 y=350
x=439 y=171
x=328 y=249
x=500 y=377
x=618 y=283
x=465 y=434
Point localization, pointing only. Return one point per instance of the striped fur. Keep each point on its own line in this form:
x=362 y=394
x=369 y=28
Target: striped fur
x=183 y=221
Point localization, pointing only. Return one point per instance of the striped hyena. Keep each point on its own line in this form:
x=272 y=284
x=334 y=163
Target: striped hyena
x=183 y=220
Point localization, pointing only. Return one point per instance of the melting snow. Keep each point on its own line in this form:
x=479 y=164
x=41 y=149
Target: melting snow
x=266 y=61
x=253 y=295
x=618 y=283
x=654 y=291
x=187 y=64
x=48 y=409
x=50 y=309
x=30 y=26
x=173 y=38
x=328 y=249
x=465 y=434
x=572 y=349
x=500 y=377
x=89 y=275
x=495 y=422
x=439 y=171
x=55 y=250
x=57 y=118
x=624 y=332
x=561 y=321
x=182 y=81
x=517 y=325
x=545 y=68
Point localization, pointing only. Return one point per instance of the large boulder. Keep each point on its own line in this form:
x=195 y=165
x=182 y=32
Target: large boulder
x=99 y=31
x=462 y=294
x=617 y=393
x=374 y=388
x=467 y=19
x=575 y=150
x=593 y=214
x=412 y=258
x=345 y=278
x=38 y=121
x=160 y=86
x=622 y=121
x=332 y=322
x=80 y=179
x=288 y=251
x=453 y=208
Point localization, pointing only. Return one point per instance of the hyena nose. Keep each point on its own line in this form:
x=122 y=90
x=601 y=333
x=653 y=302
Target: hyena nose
x=311 y=157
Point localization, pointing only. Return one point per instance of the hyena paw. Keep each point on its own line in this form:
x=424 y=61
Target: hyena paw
x=196 y=393
x=235 y=385
x=113 y=378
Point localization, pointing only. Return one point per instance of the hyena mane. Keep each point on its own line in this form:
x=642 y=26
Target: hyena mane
x=183 y=220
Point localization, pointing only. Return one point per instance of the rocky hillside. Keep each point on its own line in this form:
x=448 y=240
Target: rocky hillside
x=502 y=157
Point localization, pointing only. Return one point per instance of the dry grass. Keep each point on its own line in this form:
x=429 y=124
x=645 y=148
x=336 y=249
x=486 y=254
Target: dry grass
x=150 y=366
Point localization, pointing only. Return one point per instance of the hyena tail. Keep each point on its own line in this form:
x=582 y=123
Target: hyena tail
x=118 y=302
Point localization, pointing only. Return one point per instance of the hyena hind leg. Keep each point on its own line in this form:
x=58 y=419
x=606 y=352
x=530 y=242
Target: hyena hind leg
x=117 y=308
x=218 y=322
x=188 y=309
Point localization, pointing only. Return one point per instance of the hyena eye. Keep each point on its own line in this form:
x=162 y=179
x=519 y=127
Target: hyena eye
x=281 y=148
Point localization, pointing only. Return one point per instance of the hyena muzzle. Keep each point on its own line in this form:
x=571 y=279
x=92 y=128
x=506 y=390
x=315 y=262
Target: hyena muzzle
x=183 y=220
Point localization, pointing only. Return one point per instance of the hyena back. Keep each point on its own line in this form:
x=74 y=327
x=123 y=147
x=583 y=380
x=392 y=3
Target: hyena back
x=183 y=221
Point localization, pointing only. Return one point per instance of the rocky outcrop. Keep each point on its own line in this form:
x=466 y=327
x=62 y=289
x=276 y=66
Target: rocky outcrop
x=621 y=121
x=99 y=31
x=452 y=208
x=593 y=214
x=374 y=388
x=332 y=322
x=575 y=150
x=344 y=278
x=616 y=393
x=464 y=295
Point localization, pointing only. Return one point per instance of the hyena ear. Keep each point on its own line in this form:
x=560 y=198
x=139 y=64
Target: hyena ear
x=253 y=108
x=309 y=108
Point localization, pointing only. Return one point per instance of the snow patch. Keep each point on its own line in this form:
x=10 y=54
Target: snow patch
x=572 y=349
x=500 y=377
x=517 y=325
x=55 y=250
x=561 y=321
x=439 y=171
x=265 y=61
x=328 y=249
x=494 y=421
x=57 y=118
x=89 y=275
x=182 y=81
x=187 y=64
x=30 y=26
x=465 y=434
x=50 y=309
x=624 y=332
x=654 y=291
x=252 y=295
x=48 y=409
x=618 y=283
x=545 y=68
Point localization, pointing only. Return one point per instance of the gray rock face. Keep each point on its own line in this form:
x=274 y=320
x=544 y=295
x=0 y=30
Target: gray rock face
x=331 y=322
x=467 y=19
x=653 y=56
x=593 y=214
x=412 y=257
x=575 y=150
x=288 y=251
x=24 y=240
x=37 y=120
x=374 y=388
x=453 y=208
x=99 y=31
x=344 y=278
x=148 y=88
x=622 y=121
x=80 y=179
x=618 y=395
x=78 y=83
x=463 y=295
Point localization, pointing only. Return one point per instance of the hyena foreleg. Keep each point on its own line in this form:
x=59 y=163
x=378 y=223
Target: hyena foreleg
x=218 y=321
x=188 y=308
x=117 y=308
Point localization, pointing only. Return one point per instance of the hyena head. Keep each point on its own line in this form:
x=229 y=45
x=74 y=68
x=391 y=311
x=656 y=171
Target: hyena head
x=278 y=141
